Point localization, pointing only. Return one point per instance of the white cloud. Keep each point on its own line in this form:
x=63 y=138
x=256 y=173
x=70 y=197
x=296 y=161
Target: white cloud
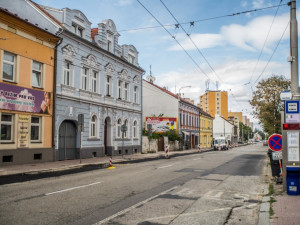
x=201 y=41
x=124 y=2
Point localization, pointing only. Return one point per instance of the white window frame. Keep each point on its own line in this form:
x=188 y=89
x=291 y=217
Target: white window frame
x=68 y=73
x=120 y=84
x=108 y=87
x=134 y=129
x=126 y=91
x=94 y=81
x=13 y=64
x=36 y=125
x=136 y=94
x=119 y=124
x=93 y=127
x=35 y=71
x=85 y=78
x=78 y=29
x=7 y=123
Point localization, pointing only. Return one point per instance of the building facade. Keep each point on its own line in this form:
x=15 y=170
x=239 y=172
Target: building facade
x=215 y=103
x=206 y=130
x=223 y=128
x=26 y=90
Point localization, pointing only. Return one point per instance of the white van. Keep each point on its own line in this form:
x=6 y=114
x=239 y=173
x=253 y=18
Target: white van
x=221 y=142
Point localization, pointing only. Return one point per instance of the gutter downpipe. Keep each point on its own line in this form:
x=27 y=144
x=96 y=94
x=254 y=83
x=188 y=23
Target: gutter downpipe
x=54 y=97
x=141 y=129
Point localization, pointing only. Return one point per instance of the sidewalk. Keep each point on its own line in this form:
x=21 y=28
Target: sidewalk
x=286 y=208
x=69 y=165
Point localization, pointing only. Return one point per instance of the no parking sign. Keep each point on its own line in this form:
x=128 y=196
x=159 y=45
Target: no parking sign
x=275 y=142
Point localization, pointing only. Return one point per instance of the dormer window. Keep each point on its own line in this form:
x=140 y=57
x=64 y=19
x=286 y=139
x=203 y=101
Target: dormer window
x=77 y=29
x=131 y=59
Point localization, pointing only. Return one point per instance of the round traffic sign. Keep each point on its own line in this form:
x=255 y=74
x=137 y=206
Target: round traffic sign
x=275 y=142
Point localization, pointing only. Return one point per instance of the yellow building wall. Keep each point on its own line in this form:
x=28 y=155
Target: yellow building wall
x=28 y=49
x=205 y=131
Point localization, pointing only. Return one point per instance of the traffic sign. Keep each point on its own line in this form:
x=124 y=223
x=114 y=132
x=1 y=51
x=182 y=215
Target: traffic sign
x=286 y=95
x=275 y=142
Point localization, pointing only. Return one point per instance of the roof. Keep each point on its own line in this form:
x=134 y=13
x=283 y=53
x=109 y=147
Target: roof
x=178 y=97
x=7 y=12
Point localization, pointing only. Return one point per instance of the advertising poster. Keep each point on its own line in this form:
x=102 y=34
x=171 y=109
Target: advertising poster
x=161 y=124
x=23 y=131
x=24 y=99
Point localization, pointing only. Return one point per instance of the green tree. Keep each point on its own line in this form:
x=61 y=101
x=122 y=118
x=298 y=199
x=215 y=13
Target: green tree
x=245 y=132
x=267 y=104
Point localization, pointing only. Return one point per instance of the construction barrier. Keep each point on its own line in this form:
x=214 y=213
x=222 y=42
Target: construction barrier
x=110 y=164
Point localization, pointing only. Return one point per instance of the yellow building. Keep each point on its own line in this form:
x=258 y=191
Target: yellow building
x=215 y=102
x=238 y=115
x=26 y=91
x=206 y=129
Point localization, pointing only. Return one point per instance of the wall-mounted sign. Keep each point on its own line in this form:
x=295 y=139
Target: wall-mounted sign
x=161 y=124
x=292 y=114
x=23 y=131
x=293 y=146
x=24 y=99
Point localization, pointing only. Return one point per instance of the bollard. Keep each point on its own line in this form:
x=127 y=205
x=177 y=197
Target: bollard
x=166 y=151
x=110 y=164
x=219 y=147
x=199 y=148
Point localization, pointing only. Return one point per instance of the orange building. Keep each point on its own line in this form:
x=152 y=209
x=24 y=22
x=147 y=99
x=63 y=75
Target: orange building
x=27 y=55
x=215 y=102
x=238 y=115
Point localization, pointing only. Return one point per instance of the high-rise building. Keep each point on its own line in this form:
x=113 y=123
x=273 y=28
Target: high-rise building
x=215 y=102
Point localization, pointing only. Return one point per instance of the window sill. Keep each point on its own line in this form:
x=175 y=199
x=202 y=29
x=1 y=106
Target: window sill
x=36 y=142
x=9 y=81
x=10 y=142
x=41 y=88
x=93 y=139
x=121 y=139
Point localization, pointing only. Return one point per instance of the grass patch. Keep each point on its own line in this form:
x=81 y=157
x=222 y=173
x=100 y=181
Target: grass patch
x=271 y=189
x=271 y=211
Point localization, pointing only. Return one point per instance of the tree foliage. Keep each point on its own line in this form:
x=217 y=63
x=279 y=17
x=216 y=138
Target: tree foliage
x=245 y=132
x=267 y=104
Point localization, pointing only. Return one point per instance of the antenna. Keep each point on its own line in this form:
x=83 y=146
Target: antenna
x=150 y=78
x=207 y=84
x=217 y=85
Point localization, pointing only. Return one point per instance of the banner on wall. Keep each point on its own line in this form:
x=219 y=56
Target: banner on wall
x=24 y=99
x=161 y=124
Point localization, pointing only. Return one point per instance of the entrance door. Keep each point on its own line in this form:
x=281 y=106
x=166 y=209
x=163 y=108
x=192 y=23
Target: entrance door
x=107 y=137
x=67 y=141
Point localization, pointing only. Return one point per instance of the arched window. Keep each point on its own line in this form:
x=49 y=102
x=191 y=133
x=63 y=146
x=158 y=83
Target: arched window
x=126 y=132
x=135 y=129
x=119 y=128
x=93 y=126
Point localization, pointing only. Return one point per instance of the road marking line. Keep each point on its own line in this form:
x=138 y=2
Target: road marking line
x=197 y=159
x=134 y=206
x=70 y=189
x=162 y=167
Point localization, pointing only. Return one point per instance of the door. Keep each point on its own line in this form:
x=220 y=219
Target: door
x=67 y=141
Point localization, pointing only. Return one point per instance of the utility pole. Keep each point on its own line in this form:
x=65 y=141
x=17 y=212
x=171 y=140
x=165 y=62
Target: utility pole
x=294 y=49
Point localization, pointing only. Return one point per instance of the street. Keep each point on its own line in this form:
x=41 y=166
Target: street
x=217 y=187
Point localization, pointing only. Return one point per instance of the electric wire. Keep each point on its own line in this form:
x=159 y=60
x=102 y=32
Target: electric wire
x=175 y=40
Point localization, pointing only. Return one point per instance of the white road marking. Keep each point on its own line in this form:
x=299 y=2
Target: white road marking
x=197 y=159
x=134 y=206
x=70 y=189
x=162 y=167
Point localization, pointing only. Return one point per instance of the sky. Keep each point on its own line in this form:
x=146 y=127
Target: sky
x=229 y=44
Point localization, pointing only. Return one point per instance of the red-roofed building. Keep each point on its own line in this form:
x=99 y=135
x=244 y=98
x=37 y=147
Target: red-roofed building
x=160 y=101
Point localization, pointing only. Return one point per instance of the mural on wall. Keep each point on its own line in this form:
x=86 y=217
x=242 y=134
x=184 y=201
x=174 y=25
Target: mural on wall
x=161 y=124
x=24 y=99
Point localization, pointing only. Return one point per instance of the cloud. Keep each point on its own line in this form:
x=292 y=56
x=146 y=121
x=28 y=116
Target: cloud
x=124 y=2
x=201 y=41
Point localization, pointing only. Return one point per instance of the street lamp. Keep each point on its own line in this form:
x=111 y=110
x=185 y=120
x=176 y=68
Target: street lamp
x=184 y=87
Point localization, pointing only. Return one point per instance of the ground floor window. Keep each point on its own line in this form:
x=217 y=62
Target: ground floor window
x=35 y=129
x=7 y=127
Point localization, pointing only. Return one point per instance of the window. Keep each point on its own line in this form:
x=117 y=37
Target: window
x=94 y=81
x=35 y=129
x=84 y=79
x=9 y=67
x=36 y=78
x=109 y=46
x=108 y=86
x=93 y=126
x=134 y=129
x=119 y=128
x=135 y=94
x=6 y=127
x=131 y=59
x=126 y=91
x=120 y=89
x=77 y=29
x=67 y=73
x=126 y=132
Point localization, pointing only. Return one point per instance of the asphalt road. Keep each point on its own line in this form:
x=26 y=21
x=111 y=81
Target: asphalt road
x=211 y=188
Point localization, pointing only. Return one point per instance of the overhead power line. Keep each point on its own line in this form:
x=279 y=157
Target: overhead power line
x=202 y=20
x=175 y=40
